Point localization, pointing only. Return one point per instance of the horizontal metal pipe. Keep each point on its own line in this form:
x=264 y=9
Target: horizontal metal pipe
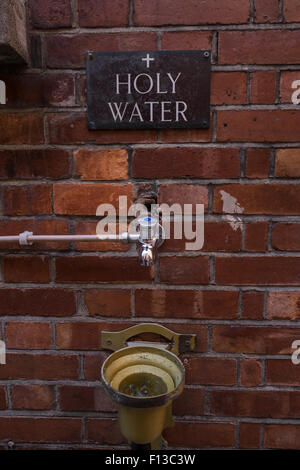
x=28 y=238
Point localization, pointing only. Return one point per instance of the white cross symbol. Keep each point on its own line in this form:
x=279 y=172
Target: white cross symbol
x=148 y=60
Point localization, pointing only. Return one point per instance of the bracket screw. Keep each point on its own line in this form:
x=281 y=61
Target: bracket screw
x=206 y=54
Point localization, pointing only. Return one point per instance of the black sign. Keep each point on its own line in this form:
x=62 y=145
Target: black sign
x=148 y=90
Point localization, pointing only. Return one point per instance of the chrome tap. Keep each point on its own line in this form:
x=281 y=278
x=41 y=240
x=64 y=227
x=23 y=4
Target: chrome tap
x=150 y=238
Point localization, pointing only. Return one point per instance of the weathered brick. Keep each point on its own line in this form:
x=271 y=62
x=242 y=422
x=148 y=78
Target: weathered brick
x=191 y=40
x=285 y=237
x=94 y=269
x=35 y=90
x=287 y=163
x=228 y=88
x=266 y=11
x=291 y=11
x=108 y=302
x=263 y=87
x=259 y=47
x=28 y=335
x=210 y=371
x=283 y=305
x=90 y=228
x=256 y=404
x=249 y=435
x=84 y=198
x=257 y=163
x=33 y=397
x=55 y=14
x=169 y=12
x=171 y=303
x=83 y=398
x=184 y=270
x=254 y=340
x=282 y=372
x=253 y=305
x=20 y=128
x=26 y=268
x=3 y=400
x=287 y=78
x=282 y=436
x=104 y=164
x=185 y=163
x=105 y=13
x=183 y=194
x=104 y=431
x=256 y=236
x=281 y=199
x=250 y=125
x=201 y=435
x=29 y=164
x=40 y=429
x=32 y=199
x=186 y=135
x=92 y=364
x=251 y=371
x=72 y=129
x=69 y=51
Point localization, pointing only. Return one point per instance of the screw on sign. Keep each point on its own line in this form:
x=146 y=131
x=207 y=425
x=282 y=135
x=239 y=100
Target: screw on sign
x=2 y=92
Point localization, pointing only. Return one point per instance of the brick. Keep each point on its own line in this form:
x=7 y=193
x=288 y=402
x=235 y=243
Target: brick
x=160 y=303
x=40 y=429
x=282 y=372
x=259 y=47
x=244 y=126
x=157 y=13
x=254 y=340
x=84 y=198
x=264 y=270
x=72 y=129
x=3 y=401
x=266 y=11
x=228 y=88
x=190 y=403
x=20 y=128
x=92 y=364
x=281 y=199
x=36 y=51
x=257 y=163
x=210 y=371
x=184 y=270
x=183 y=194
x=251 y=371
x=256 y=404
x=106 y=13
x=185 y=163
x=256 y=236
x=94 y=269
x=287 y=164
x=104 y=430
x=52 y=15
x=108 y=302
x=282 y=436
x=26 y=269
x=253 y=305
x=27 y=200
x=105 y=164
x=201 y=435
x=287 y=78
x=186 y=135
x=192 y=40
x=28 y=335
x=33 y=397
x=40 y=367
x=29 y=164
x=291 y=11
x=90 y=228
x=263 y=87
x=285 y=236
x=69 y=51
x=35 y=90
x=283 y=306
x=83 y=398
x=37 y=226
x=249 y=435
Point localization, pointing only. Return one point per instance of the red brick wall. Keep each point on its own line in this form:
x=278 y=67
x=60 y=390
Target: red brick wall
x=240 y=294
